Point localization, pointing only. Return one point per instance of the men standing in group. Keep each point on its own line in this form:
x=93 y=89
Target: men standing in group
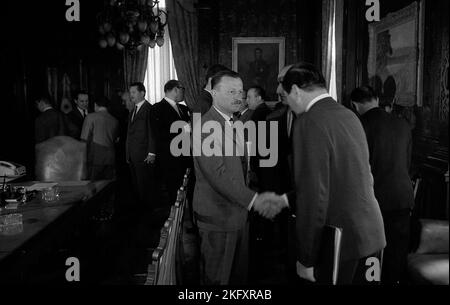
x=100 y=131
x=140 y=146
x=221 y=198
x=333 y=183
x=390 y=144
x=204 y=99
x=50 y=122
x=171 y=168
x=79 y=112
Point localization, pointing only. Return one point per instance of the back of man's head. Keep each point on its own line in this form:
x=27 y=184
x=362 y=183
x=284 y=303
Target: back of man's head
x=363 y=95
x=102 y=102
x=306 y=76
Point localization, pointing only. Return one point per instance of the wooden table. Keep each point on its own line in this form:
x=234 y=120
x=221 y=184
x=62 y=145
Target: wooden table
x=39 y=217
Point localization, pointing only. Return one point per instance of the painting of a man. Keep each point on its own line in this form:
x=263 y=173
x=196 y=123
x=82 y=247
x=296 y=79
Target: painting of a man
x=258 y=60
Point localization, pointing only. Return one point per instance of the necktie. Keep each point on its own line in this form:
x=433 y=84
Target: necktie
x=84 y=113
x=134 y=113
x=178 y=110
x=290 y=118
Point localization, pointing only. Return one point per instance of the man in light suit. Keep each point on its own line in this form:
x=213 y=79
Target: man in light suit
x=140 y=146
x=101 y=132
x=333 y=182
x=221 y=198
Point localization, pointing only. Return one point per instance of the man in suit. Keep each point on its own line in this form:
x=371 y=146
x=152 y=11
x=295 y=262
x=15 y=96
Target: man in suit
x=170 y=168
x=204 y=99
x=79 y=113
x=140 y=145
x=333 y=182
x=100 y=131
x=244 y=114
x=279 y=178
x=50 y=123
x=390 y=143
x=221 y=198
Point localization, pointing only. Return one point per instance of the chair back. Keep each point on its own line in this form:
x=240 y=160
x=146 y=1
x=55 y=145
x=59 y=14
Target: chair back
x=60 y=158
x=163 y=268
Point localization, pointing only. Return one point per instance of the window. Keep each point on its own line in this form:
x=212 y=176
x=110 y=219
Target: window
x=160 y=67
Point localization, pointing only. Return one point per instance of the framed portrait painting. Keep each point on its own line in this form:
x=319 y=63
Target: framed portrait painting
x=258 y=60
x=395 y=62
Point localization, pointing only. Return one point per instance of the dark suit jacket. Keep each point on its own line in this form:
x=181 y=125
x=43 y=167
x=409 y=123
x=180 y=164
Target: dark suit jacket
x=221 y=198
x=49 y=124
x=259 y=115
x=333 y=183
x=140 y=136
x=76 y=120
x=203 y=102
x=163 y=115
x=246 y=115
x=390 y=143
x=279 y=178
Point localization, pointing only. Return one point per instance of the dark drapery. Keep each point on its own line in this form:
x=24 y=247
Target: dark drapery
x=134 y=65
x=183 y=31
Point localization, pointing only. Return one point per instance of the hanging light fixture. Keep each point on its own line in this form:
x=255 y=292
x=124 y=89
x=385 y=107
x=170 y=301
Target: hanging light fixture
x=131 y=24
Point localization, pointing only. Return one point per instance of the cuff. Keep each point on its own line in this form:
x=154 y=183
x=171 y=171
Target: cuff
x=250 y=206
x=286 y=200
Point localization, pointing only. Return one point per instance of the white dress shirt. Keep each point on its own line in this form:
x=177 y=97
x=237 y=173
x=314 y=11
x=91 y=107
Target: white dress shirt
x=315 y=100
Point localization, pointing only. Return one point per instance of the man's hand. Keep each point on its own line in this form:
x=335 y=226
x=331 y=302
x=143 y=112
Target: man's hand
x=305 y=273
x=269 y=205
x=150 y=158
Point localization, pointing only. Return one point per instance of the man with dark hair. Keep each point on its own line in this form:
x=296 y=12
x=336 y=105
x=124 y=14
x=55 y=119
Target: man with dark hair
x=204 y=100
x=170 y=168
x=79 y=112
x=221 y=198
x=333 y=182
x=140 y=146
x=50 y=122
x=100 y=131
x=390 y=143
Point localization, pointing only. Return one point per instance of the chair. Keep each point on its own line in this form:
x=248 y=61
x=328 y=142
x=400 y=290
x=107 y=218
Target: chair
x=163 y=267
x=61 y=158
x=429 y=263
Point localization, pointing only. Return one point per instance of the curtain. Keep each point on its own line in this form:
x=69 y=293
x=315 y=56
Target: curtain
x=135 y=64
x=332 y=25
x=184 y=32
x=160 y=69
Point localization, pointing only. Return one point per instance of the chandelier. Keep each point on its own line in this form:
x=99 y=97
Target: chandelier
x=131 y=24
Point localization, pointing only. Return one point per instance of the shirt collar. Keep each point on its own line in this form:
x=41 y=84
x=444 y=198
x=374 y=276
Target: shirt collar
x=226 y=117
x=245 y=110
x=139 y=105
x=315 y=100
x=81 y=110
x=171 y=101
x=47 y=108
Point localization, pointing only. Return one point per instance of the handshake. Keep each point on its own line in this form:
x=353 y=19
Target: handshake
x=269 y=205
